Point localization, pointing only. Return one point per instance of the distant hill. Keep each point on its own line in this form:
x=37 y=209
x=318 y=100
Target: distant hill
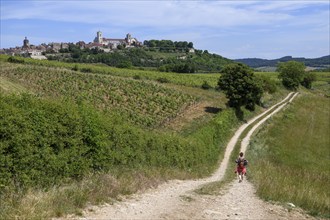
x=321 y=62
x=162 y=55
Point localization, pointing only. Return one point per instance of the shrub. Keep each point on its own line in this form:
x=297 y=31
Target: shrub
x=162 y=68
x=124 y=64
x=75 y=68
x=44 y=142
x=267 y=83
x=15 y=60
x=163 y=80
x=206 y=85
x=137 y=77
x=86 y=70
x=308 y=79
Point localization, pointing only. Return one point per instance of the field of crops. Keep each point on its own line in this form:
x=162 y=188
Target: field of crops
x=145 y=103
x=195 y=80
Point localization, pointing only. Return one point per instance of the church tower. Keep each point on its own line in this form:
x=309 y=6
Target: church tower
x=99 y=38
x=128 y=39
x=26 y=43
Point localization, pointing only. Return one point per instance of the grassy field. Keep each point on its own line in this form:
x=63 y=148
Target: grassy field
x=290 y=157
x=321 y=86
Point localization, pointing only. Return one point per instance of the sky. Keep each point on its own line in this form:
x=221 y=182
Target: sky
x=267 y=29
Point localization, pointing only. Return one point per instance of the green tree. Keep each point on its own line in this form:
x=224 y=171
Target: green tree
x=241 y=87
x=308 y=79
x=291 y=73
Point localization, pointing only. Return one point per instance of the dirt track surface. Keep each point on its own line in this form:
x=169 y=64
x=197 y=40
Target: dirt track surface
x=177 y=199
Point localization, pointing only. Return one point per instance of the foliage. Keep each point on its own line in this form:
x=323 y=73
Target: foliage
x=205 y=85
x=268 y=85
x=178 y=68
x=15 y=60
x=240 y=86
x=163 y=80
x=142 y=57
x=168 y=45
x=291 y=73
x=44 y=142
x=124 y=64
x=308 y=79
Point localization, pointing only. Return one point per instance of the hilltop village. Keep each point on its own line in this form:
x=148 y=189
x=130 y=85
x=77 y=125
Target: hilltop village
x=100 y=43
x=129 y=52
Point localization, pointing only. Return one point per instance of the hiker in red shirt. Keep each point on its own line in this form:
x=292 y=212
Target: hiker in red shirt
x=241 y=166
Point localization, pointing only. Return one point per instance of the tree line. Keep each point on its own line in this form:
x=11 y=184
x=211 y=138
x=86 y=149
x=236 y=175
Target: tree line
x=168 y=45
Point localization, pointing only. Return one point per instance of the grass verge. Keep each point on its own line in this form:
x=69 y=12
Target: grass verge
x=74 y=196
x=216 y=187
x=294 y=149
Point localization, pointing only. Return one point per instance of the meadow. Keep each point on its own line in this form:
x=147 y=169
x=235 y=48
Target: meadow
x=290 y=158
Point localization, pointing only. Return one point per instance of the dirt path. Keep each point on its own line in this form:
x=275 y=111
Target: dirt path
x=177 y=200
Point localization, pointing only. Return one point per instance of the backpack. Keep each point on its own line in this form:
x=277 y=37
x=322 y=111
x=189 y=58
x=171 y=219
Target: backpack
x=238 y=161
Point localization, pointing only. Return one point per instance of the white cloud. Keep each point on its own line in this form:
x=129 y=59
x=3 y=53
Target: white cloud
x=286 y=6
x=148 y=13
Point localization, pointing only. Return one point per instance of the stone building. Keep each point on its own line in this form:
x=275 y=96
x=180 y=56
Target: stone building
x=113 y=43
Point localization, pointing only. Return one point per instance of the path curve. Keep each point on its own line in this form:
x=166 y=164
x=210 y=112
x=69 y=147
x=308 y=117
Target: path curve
x=176 y=199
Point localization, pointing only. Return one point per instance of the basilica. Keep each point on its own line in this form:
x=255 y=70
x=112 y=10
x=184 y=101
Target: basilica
x=113 y=43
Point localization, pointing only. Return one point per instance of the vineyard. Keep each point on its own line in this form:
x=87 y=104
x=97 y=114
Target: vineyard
x=144 y=103
x=194 y=80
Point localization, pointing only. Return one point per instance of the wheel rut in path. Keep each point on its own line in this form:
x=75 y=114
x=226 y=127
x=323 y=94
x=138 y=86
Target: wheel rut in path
x=176 y=199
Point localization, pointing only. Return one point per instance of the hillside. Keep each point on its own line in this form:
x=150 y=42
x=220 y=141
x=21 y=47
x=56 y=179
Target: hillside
x=130 y=98
x=321 y=62
x=163 y=56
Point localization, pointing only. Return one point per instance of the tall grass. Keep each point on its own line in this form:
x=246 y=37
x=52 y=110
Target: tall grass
x=291 y=157
x=71 y=198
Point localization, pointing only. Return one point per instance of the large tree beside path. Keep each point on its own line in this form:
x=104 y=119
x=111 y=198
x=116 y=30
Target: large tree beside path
x=291 y=73
x=241 y=87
